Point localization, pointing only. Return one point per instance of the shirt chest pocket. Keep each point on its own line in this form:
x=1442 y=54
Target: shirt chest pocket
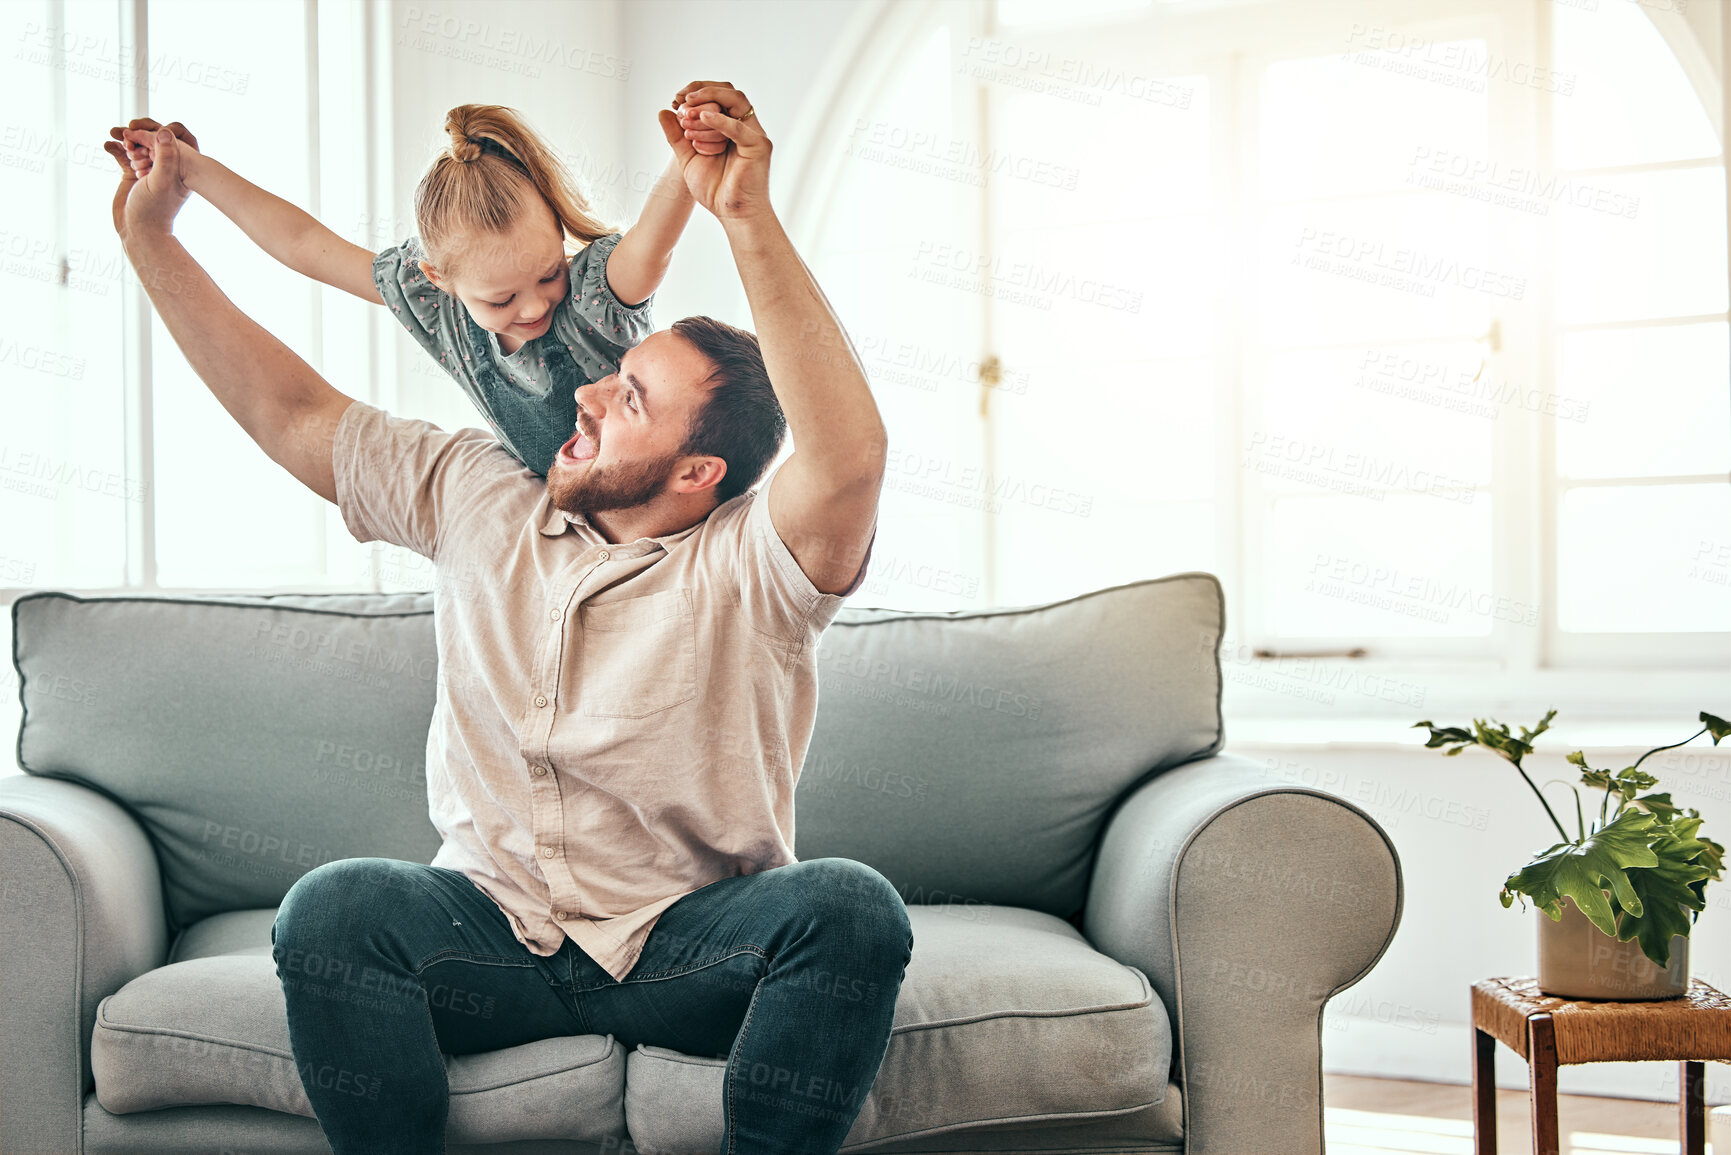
x=638 y=655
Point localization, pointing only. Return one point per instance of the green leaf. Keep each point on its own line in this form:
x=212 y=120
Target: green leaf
x=1583 y=872
x=1632 y=781
x=1527 y=735
x=1713 y=858
x=1507 y=896
x=1494 y=736
x=1445 y=735
x=1667 y=897
x=1486 y=732
x=1658 y=805
x=1716 y=726
x=1667 y=892
x=1578 y=759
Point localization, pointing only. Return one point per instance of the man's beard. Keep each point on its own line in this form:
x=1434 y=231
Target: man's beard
x=602 y=488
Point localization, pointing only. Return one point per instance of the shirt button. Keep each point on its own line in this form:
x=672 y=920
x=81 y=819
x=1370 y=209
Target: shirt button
x=540 y=699
x=561 y=915
x=554 y=615
x=605 y=555
x=546 y=852
x=537 y=771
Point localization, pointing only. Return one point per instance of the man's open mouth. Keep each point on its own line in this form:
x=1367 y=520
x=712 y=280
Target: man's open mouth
x=580 y=447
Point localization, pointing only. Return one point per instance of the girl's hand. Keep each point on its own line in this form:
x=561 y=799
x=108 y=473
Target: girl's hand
x=138 y=143
x=705 y=141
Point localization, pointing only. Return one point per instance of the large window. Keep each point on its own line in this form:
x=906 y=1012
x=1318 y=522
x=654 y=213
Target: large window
x=1409 y=321
x=117 y=467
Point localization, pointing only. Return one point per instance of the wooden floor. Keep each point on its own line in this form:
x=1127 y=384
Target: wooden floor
x=1383 y=1116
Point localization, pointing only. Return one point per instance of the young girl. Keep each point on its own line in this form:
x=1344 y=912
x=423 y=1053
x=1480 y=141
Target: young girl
x=487 y=286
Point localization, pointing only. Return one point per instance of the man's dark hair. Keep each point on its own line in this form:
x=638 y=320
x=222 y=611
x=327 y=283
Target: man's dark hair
x=741 y=422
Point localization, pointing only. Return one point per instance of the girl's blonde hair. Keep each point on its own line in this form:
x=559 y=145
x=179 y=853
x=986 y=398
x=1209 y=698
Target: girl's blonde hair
x=484 y=179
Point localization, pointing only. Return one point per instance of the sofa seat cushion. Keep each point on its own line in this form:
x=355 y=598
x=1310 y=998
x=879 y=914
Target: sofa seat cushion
x=1007 y=1018
x=212 y=1028
x=236 y=932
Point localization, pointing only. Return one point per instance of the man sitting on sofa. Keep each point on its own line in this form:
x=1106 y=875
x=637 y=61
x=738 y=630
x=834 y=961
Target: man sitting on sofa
x=627 y=688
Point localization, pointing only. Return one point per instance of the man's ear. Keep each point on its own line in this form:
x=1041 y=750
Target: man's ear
x=696 y=474
x=432 y=274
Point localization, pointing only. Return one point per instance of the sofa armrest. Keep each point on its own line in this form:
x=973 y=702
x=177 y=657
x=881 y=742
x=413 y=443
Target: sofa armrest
x=80 y=916
x=1248 y=902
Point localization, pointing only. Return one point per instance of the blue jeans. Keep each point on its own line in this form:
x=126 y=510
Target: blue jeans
x=387 y=966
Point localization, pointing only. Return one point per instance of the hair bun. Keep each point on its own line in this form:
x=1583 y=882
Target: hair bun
x=463 y=147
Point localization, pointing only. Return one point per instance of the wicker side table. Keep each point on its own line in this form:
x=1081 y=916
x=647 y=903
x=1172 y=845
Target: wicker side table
x=1549 y=1032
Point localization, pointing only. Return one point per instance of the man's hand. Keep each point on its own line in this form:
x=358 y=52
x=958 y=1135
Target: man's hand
x=147 y=201
x=732 y=184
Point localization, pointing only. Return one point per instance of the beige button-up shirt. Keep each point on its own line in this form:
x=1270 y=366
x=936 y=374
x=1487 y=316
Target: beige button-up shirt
x=616 y=726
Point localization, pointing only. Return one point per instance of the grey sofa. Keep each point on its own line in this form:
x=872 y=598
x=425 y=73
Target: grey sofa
x=1123 y=940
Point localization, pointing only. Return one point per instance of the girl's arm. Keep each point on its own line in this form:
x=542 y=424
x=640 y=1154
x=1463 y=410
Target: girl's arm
x=639 y=261
x=285 y=232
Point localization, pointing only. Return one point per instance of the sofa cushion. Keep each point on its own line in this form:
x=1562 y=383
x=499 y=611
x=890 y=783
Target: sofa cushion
x=214 y=1029
x=230 y=1130
x=1006 y=1018
x=973 y=757
x=254 y=738
x=236 y=932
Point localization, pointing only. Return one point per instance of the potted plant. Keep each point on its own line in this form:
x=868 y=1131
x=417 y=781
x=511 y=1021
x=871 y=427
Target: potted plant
x=1623 y=893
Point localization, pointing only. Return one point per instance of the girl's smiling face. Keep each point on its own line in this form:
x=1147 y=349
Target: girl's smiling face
x=511 y=281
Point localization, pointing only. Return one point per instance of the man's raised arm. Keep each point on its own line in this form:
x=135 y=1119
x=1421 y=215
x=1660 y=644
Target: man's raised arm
x=823 y=500
x=278 y=399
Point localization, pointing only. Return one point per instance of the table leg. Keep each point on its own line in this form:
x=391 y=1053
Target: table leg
x=1484 y=1093
x=1692 y=1107
x=1542 y=1071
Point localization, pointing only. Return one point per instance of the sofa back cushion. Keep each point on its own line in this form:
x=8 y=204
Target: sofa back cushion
x=971 y=757
x=253 y=737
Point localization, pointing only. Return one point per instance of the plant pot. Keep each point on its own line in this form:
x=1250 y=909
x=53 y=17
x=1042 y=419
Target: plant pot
x=1577 y=960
